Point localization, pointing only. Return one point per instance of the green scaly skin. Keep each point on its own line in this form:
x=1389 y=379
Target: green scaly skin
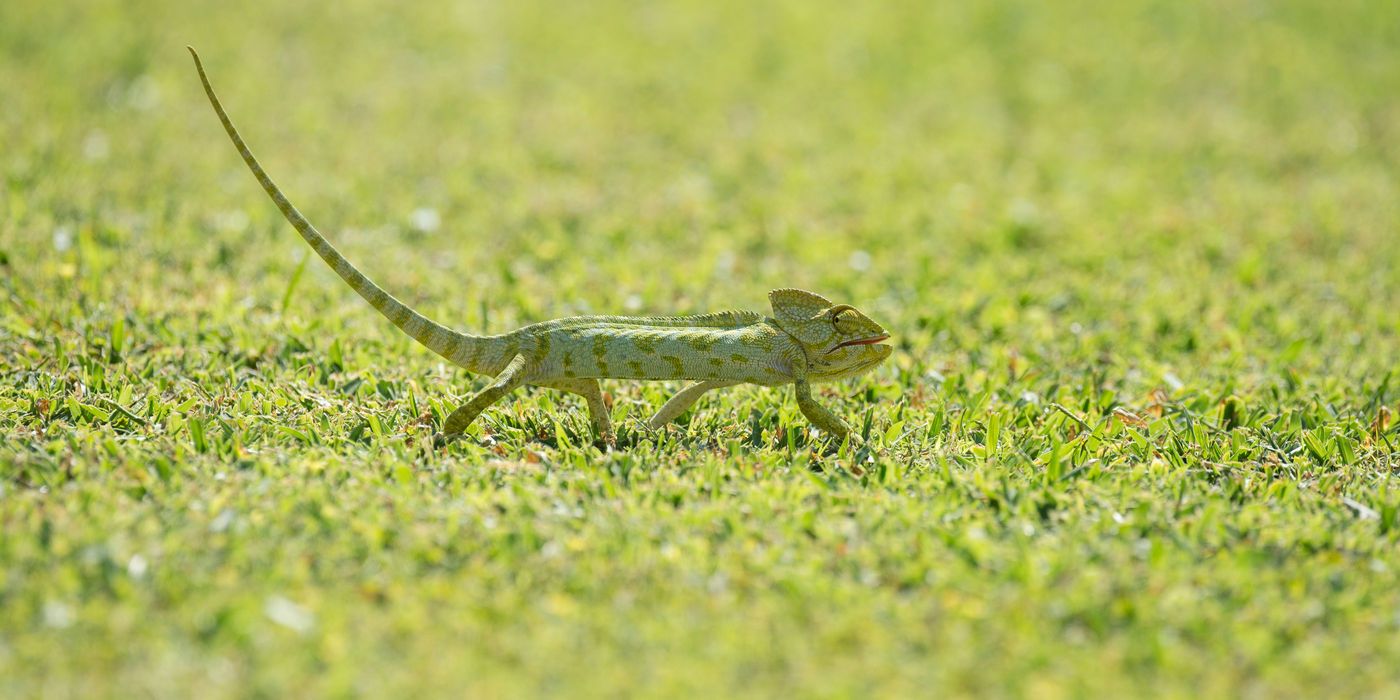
x=807 y=339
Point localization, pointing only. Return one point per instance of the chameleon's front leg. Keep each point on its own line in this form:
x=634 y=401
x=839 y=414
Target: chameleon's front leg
x=591 y=393
x=509 y=378
x=816 y=413
x=682 y=401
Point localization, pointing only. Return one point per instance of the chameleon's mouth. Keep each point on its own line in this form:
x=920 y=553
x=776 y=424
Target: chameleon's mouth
x=861 y=341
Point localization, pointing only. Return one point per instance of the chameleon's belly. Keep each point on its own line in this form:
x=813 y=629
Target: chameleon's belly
x=752 y=354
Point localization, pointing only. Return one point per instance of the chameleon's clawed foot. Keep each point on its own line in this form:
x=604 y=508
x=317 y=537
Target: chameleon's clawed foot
x=607 y=441
x=830 y=442
x=442 y=440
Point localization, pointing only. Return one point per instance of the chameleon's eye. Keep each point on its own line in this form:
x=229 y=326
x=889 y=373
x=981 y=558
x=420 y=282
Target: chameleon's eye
x=837 y=311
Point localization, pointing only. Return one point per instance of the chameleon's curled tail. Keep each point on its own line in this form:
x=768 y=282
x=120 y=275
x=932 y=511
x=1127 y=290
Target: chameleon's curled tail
x=463 y=349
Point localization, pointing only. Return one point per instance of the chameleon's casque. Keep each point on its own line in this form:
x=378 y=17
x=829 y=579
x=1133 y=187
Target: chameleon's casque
x=806 y=339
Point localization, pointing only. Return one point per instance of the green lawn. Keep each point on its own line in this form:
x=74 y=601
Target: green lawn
x=1138 y=435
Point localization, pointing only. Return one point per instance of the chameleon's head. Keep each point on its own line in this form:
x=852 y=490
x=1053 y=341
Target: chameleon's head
x=840 y=341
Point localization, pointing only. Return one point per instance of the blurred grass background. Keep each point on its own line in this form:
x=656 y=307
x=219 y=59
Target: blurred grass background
x=1107 y=207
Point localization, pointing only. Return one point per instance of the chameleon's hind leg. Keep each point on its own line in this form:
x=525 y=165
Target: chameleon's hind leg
x=683 y=400
x=509 y=378
x=591 y=393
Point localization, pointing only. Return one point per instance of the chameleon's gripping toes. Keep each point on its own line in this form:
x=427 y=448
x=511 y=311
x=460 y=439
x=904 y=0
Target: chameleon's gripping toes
x=807 y=339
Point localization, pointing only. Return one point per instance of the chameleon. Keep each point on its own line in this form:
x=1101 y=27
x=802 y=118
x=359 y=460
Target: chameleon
x=806 y=339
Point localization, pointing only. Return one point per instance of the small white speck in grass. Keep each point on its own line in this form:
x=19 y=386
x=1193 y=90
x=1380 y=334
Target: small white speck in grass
x=96 y=146
x=1173 y=382
x=859 y=261
x=1363 y=511
x=869 y=577
x=1343 y=136
x=144 y=94
x=62 y=238
x=1075 y=328
x=1048 y=81
x=724 y=262
x=632 y=303
x=222 y=521
x=233 y=221
x=288 y=614
x=221 y=671
x=961 y=196
x=58 y=615
x=1311 y=609
x=1030 y=397
x=692 y=188
x=426 y=219
x=136 y=566
x=1024 y=212
x=1142 y=548
x=717 y=583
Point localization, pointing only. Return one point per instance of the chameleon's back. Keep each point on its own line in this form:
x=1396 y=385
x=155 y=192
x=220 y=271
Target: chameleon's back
x=596 y=348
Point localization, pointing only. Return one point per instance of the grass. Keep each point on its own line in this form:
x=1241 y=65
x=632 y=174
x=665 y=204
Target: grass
x=1137 y=437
